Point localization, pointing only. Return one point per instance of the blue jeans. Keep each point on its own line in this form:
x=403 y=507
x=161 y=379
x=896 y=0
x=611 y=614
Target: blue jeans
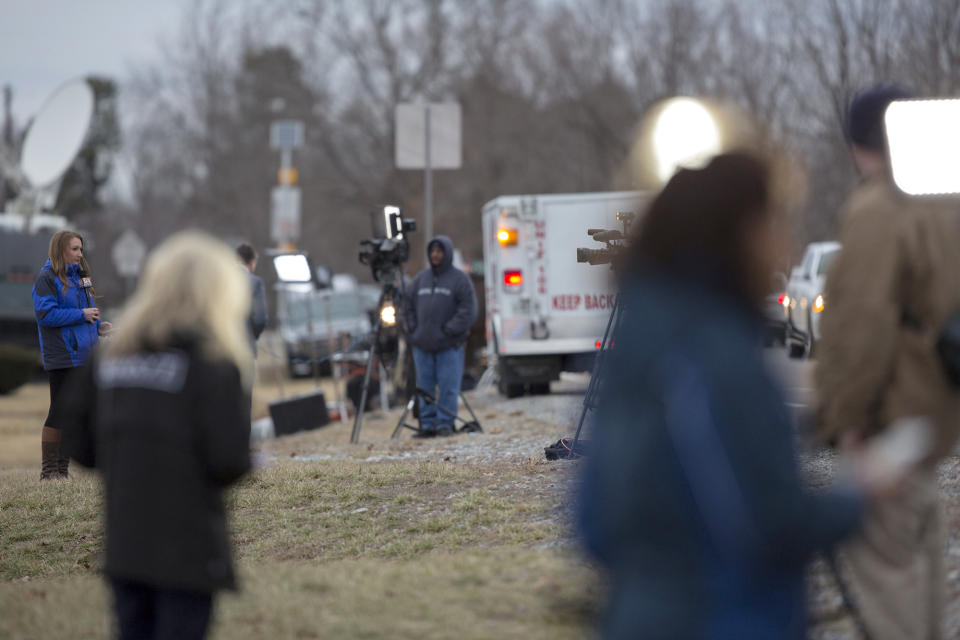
x=439 y=374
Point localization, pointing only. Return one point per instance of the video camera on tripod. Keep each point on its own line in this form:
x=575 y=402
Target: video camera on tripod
x=614 y=238
x=389 y=248
x=616 y=241
x=385 y=253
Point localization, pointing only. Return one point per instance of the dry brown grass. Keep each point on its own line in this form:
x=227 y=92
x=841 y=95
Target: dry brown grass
x=297 y=511
x=335 y=510
x=326 y=549
x=330 y=548
x=472 y=594
x=22 y=412
x=21 y=415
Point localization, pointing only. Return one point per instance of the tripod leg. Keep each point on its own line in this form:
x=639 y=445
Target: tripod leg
x=588 y=400
x=403 y=417
x=442 y=410
x=593 y=388
x=358 y=420
x=472 y=414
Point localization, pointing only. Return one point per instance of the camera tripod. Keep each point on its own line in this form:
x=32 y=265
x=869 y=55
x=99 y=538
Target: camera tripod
x=394 y=295
x=471 y=426
x=566 y=448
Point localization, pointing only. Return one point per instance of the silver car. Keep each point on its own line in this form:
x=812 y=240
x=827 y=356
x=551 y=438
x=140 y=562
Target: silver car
x=776 y=311
x=316 y=324
x=807 y=298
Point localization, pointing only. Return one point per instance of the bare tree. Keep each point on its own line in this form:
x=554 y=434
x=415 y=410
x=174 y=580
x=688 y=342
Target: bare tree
x=550 y=94
x=930 y=49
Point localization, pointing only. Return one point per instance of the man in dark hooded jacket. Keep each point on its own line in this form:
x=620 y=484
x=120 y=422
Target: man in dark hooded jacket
x=440 y=307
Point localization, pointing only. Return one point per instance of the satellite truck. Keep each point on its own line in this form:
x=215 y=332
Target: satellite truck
x=55 y=137
x=545 y=311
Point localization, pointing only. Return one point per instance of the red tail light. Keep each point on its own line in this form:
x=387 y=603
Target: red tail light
x=512 y=278
x=598 y=344
x=780 y=298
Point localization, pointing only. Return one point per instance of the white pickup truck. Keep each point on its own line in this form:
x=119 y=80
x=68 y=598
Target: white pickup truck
x=805 y=290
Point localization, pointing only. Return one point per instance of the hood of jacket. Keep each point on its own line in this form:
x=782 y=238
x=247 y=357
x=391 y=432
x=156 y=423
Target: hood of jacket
x=72 y=269
x=440 y=304
x=447 y=245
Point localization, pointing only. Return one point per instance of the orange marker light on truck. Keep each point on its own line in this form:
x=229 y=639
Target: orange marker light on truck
x=818 y=304
x=507 y=237
x=512 y=278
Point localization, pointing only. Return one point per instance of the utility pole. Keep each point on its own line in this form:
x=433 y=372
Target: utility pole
x=286 y=135
x=8 y=117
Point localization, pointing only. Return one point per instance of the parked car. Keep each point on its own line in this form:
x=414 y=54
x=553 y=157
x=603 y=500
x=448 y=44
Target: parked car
x=807 y=303
x=776 y=310
x=315 y=324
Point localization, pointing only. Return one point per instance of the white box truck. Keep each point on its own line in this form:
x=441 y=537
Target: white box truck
x=545 y=312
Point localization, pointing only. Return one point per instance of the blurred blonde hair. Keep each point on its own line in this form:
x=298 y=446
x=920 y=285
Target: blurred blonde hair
x=193 y=284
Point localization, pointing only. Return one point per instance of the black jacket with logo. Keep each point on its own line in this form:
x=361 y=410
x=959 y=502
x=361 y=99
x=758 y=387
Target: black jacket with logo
x=168 y=430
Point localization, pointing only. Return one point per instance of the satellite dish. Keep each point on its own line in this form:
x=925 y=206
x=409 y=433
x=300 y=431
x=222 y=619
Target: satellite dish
x=57 y=133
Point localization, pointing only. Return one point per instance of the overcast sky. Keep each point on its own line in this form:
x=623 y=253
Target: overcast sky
x=44 y=43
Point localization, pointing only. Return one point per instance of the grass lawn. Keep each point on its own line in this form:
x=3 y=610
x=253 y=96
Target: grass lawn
x=325 y=549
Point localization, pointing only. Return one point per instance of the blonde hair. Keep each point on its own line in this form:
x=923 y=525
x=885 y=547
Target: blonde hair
x=59 y=244
x=191 y=284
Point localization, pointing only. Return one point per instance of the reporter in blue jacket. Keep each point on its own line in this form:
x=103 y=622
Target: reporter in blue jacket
x=691 y=496
x=69 y=325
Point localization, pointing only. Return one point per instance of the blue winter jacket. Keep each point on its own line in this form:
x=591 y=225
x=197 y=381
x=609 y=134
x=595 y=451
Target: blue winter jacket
x=441 y=304
x=66 y=338
x=691 y=494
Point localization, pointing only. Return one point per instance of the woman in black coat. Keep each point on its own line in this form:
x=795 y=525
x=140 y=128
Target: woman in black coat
x=161 y=412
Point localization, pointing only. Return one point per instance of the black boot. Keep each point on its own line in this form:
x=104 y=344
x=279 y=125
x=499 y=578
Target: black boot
x=63 y=463
x=49 y=460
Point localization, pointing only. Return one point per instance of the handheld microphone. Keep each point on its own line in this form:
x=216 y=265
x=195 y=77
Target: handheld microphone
x=85 y=281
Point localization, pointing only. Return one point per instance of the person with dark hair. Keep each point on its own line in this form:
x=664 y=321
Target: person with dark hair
x=69 y=325
x=258 y=319
x=691 y=496
x=888 y=295
x=162 y=411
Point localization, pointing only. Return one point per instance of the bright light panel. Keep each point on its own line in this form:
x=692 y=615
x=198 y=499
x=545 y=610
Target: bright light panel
x=388 y=315
x=924 y=141
x=390 y=215
x=292 y=267
x=685 y=135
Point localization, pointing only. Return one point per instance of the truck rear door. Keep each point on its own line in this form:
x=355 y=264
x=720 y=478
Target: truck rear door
x=575 y=299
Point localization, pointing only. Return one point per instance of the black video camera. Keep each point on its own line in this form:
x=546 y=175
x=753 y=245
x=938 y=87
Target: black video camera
x=389 y=248
x=614 y=239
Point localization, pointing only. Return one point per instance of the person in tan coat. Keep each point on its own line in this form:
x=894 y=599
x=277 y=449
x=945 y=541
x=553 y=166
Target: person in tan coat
x=888 y=295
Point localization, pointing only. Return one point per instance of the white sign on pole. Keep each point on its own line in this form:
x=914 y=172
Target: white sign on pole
x=286 y=134
x=285 y=214
x=128 y=254
x=411 y=135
